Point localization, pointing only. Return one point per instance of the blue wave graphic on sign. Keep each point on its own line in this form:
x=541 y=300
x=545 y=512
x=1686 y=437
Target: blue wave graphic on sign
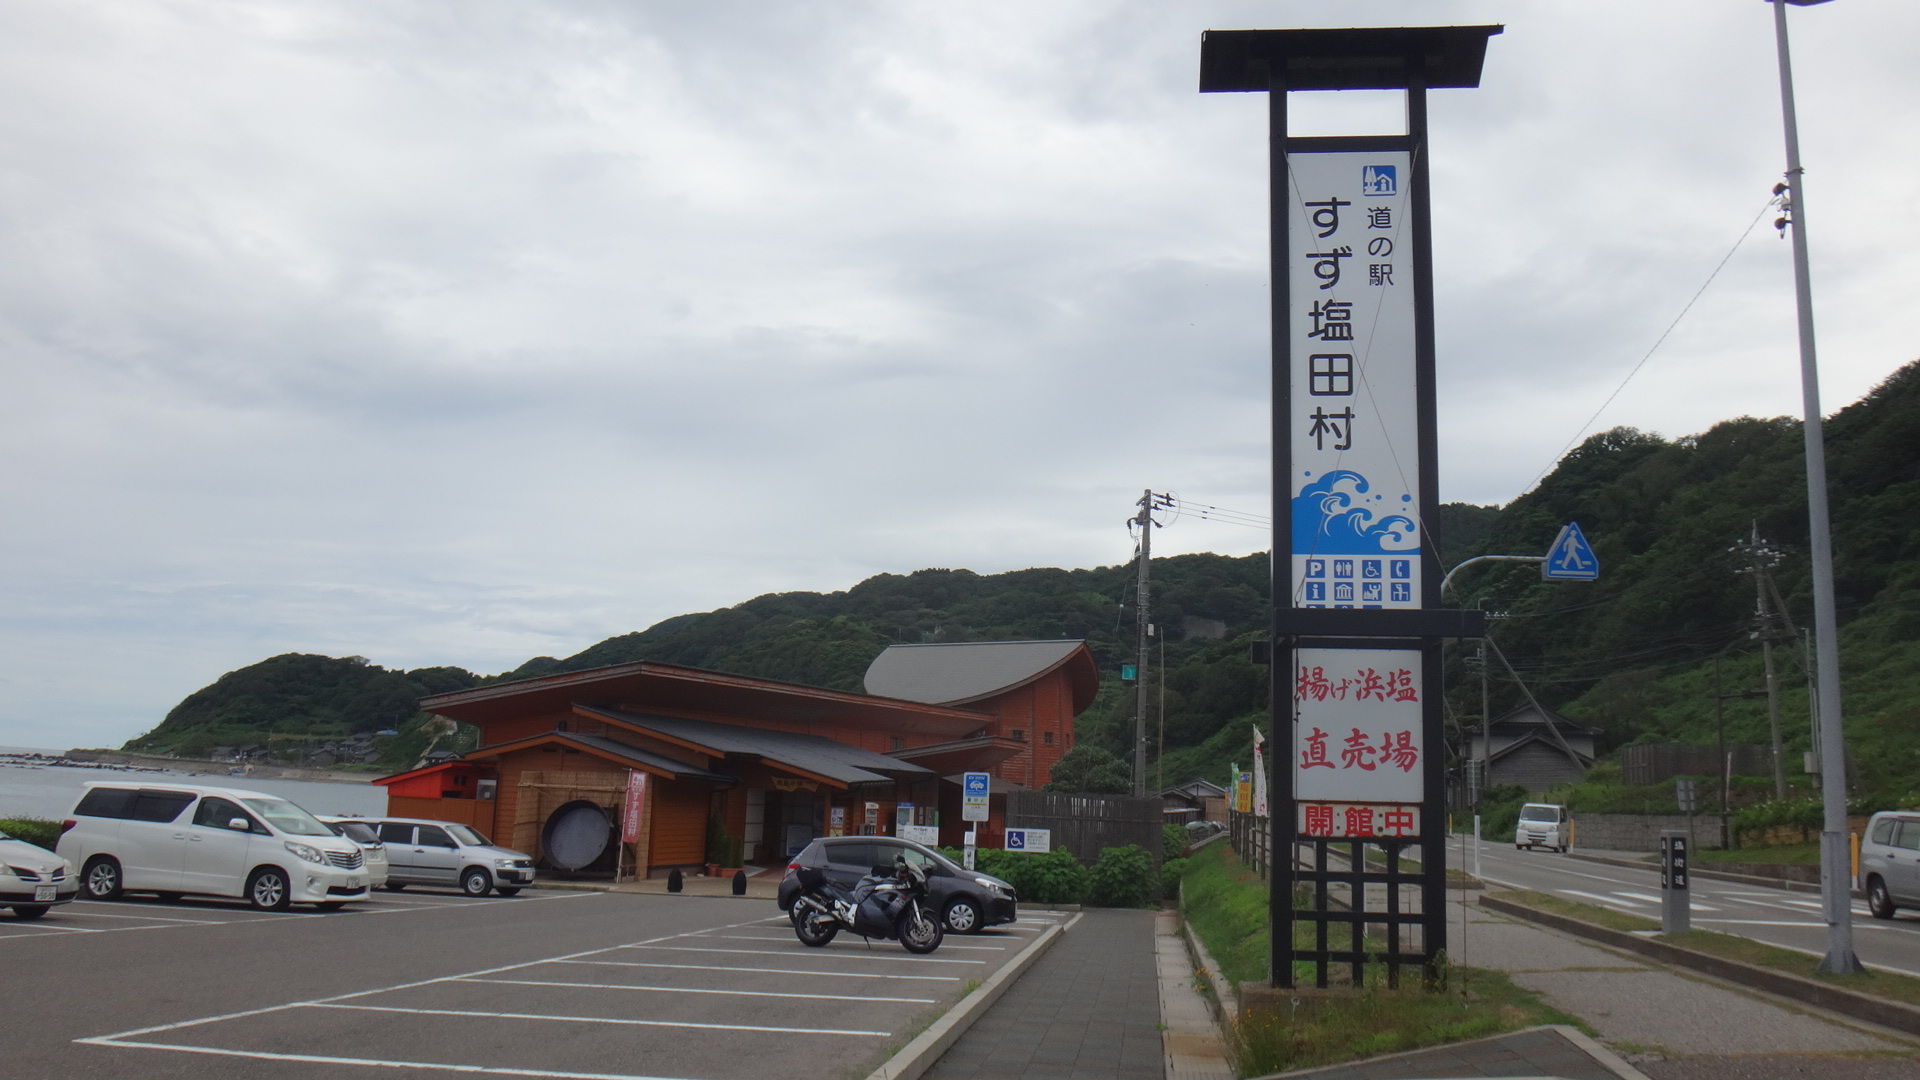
x=1331 y=516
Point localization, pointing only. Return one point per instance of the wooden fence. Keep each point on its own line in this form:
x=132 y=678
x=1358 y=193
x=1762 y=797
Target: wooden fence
x=1656 y=763
x=1252 y=840
x=1086 y=824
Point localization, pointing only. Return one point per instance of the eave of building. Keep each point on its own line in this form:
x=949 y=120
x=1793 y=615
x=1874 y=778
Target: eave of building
x=669 y=688
x=788 y=751
x=620 y=754
x=1544 y=740
x=967 y=755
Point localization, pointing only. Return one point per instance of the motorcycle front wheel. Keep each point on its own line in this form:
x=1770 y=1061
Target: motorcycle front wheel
x=812 y=928
x=920 y=932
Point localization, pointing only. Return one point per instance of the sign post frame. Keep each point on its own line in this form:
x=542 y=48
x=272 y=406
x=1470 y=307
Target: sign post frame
x=1411 y=59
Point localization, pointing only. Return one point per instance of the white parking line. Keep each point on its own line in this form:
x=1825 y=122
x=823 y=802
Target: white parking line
x=701 y=990
x=789 y=937
x=788 y=952
x=777 y=971
x=114 y=915
x=600 y=1020
x=318 y=1059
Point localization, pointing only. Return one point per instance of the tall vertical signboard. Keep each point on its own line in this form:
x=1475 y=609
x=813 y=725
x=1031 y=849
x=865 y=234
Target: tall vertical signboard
x=1357 y=783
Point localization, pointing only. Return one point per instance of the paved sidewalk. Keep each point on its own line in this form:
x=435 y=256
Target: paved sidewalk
x=1675 y=1025
x=1088 y=1010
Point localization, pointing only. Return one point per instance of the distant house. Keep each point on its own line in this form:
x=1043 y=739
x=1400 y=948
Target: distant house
x=1534 y=750
x=1195 y=800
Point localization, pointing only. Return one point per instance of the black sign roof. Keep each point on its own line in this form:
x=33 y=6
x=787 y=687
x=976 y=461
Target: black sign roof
x=1354 y=58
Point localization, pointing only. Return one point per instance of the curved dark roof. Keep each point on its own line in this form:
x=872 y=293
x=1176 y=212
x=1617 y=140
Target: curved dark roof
x=814 y=754
x=960 y=672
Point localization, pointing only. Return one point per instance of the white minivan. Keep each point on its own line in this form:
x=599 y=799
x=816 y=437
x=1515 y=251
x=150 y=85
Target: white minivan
x=1543 y=825
x=173 y=839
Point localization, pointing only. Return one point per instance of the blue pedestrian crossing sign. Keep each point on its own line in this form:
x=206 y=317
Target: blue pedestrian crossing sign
x=1570 y=558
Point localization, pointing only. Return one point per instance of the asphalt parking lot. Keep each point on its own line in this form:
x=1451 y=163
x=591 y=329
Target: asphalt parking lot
x=550 y=983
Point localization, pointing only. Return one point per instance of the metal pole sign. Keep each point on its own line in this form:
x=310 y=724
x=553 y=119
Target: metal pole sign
x=1357 y=617
x=973 y=796
x=1570 y=558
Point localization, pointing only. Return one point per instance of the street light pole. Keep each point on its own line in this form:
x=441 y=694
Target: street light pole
x=1835 y=861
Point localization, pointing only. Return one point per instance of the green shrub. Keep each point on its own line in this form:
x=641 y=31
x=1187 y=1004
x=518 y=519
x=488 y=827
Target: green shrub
x=1171 y=872
x=1121 y=877
x=32 y=830
x=1054 y=878
x=1173 y=841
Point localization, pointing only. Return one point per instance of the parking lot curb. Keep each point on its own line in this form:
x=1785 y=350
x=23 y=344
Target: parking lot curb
x=919 y=1055
x=1877 y=1010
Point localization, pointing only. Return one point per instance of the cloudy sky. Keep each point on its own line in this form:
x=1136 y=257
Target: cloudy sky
x=458 y=333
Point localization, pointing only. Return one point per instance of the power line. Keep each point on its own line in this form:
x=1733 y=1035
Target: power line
x=1748 y=231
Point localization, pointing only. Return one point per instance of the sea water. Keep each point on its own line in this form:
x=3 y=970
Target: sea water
x=50 y=791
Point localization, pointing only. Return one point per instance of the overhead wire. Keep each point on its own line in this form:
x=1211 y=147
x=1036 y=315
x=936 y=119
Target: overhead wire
x=1661 y=340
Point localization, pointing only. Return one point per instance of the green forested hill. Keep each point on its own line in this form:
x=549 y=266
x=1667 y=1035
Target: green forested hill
x=1631 y=652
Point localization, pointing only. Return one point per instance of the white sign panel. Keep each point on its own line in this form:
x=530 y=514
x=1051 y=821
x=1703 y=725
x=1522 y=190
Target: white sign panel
x=1349 y=820
x=1356 y=451
x=1036 y=841
x=973 y=796
x=919 y=834
x=1357 y=735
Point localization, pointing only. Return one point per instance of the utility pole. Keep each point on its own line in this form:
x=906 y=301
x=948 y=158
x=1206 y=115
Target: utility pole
x=1760 y=556
x=1144 y=626
x=1836 y=864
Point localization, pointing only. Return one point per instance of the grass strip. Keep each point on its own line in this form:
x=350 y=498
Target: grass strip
x=1883 y=984
x=33 y=830
x=1226 y=904
x=1777 y=855
x=1574 y=909
x=1322 y=1030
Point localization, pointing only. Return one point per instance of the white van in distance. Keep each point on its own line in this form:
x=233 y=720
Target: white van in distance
x=173 y=839
x=1543 y=825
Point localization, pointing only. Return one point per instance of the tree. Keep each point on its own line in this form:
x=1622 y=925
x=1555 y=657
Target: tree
x=1089 y=770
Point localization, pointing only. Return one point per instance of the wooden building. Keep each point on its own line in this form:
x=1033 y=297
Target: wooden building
x=771 y=764
x=1535 y=750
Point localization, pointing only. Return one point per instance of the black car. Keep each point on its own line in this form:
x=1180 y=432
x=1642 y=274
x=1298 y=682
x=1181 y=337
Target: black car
x=968 y=900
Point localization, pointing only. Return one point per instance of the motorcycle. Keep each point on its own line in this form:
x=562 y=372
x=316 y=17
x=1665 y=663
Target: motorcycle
x=891 y=908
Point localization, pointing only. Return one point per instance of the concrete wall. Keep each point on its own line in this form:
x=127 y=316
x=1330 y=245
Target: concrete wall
x=1638 y=832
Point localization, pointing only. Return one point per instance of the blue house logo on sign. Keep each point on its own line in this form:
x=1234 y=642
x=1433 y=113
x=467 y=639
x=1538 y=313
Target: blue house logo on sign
x=1379 y=180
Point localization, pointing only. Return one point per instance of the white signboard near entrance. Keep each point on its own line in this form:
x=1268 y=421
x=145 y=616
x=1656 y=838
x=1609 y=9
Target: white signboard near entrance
x=1356 y=448
x=1357 y=734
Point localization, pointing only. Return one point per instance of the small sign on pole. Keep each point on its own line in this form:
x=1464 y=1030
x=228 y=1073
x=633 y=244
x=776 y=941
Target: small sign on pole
x=973 y=796
x=1570 y=558
x=1676 y=915
x=1034 y=841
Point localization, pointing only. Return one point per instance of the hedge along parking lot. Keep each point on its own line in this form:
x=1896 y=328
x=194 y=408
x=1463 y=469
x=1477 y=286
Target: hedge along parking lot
x=588 y=985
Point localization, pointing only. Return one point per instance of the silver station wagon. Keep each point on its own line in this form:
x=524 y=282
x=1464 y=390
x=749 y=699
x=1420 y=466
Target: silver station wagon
x=450 y=855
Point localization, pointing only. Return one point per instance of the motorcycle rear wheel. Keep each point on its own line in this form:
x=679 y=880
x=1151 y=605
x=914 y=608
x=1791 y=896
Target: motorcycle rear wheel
x=921 y=932
x=812 y=928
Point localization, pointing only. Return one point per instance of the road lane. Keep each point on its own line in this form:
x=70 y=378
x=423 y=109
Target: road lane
x=1775 y=916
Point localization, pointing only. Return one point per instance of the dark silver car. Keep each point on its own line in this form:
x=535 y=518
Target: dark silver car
x=451 y=855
